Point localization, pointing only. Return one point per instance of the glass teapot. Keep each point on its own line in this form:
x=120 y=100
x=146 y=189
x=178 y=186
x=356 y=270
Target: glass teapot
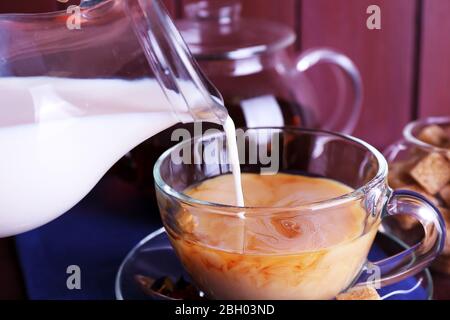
x=249 y=62
x=262 y=85
x=79 y=90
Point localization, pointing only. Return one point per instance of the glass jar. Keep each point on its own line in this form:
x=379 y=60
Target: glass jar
x=420 y=162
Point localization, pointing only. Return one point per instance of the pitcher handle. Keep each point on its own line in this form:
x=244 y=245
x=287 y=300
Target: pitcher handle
x=413 y=260
x=313 y=57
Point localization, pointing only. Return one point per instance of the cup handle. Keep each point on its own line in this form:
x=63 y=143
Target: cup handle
x=313 y=57
x=413 y=260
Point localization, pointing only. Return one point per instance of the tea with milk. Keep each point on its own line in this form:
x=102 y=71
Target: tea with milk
x=293 y=254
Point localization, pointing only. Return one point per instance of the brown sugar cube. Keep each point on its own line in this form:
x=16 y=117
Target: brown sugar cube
x=445 y=195
x=432 y=172
x=399 y=174
x=359 y=293
x=434 y=135
x=399 y=170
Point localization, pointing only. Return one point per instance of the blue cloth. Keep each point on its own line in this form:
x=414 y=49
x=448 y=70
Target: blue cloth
x=96 y=235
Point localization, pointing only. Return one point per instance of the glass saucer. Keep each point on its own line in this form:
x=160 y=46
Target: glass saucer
x=154 y=258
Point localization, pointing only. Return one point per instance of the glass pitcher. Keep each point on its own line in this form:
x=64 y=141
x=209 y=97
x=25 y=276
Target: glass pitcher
x=262 y=84
x=78 y=91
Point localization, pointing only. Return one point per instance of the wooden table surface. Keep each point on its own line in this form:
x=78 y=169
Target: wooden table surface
x=13 y=287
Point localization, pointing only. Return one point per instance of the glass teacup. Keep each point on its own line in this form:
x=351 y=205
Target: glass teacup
x=220 y=245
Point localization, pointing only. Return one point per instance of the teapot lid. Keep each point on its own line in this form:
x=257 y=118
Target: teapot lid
x=216 y=30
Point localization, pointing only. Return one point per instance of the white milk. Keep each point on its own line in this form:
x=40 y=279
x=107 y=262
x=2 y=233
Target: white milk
x=233 y=156
x=58 y=137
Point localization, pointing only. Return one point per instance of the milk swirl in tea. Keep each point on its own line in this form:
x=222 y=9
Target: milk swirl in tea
x=293 y=254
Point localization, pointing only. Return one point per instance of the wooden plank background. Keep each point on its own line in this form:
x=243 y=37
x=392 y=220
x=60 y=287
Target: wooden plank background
x=385 y=58
x=435 y=59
